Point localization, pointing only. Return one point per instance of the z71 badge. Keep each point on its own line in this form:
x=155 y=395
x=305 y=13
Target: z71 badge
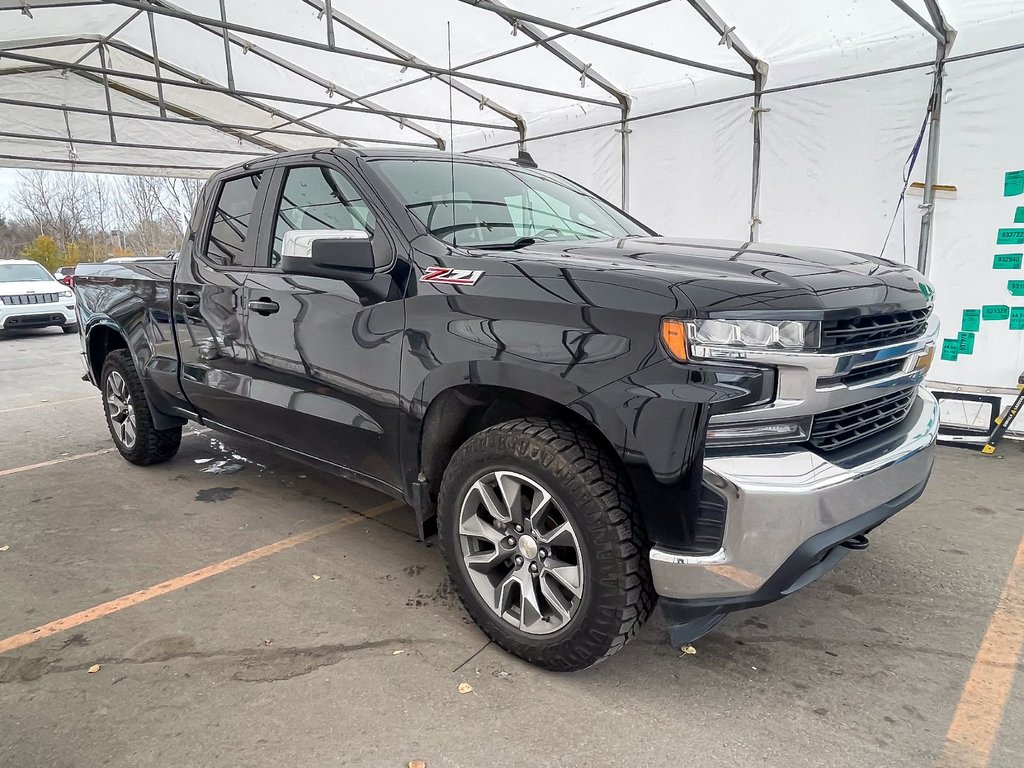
x=451 y=276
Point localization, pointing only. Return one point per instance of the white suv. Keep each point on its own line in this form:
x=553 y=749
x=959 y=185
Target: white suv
x=30 y=297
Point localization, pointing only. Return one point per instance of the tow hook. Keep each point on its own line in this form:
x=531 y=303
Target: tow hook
x=858 y=542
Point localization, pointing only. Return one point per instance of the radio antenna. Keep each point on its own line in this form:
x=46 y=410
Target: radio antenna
x=451 y=137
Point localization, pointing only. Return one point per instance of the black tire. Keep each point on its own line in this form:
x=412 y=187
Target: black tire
x=592 y=494
x=70 y=328
x=151 y=445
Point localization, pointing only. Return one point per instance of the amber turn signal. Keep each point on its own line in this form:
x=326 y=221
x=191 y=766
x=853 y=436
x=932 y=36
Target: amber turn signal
x=673 y=335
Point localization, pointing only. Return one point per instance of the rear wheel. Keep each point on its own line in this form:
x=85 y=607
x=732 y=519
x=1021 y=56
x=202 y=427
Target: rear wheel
x=540 y=537
x=128 y=415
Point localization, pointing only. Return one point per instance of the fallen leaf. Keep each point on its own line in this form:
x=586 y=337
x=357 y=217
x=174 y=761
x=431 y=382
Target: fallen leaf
x=417 y=764
x=5 y=547
x=689 y=650
x=465 y=688
x=94 y=669
x=315 y=577
x=400 y=650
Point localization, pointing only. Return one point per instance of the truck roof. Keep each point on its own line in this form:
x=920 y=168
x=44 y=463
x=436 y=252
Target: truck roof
x=375 y=153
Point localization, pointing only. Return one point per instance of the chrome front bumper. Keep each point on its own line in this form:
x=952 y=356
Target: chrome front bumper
x=776 y=502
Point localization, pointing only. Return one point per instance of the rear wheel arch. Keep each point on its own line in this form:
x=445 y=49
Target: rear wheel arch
x=100 y=342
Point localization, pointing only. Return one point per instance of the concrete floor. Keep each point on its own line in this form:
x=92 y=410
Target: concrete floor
x=265 y=665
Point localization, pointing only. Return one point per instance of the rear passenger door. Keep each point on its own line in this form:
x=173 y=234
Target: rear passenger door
x=326 y=351
x=208 y=298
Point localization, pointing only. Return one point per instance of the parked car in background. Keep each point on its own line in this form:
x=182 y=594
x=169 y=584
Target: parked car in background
x=65 y=275
x=30 y=297
x=590 y=414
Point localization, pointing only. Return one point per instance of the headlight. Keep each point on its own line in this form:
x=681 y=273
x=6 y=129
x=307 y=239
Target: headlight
x=758 y=334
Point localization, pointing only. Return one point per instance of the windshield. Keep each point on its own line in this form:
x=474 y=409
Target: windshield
x=19 y=273
x=495 y=205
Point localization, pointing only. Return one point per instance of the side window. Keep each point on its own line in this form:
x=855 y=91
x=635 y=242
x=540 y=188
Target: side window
x=230 y=225
x=317 y=197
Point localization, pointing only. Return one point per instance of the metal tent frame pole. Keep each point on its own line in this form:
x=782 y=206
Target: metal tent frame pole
x=931 y=169
x=759 y=70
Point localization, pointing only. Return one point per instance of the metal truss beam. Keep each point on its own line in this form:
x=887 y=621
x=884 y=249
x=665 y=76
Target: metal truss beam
x=507 y=51
x=508 y=13
x=324 y=7
x=232 y=129
x=317 y=46
x=930 y=28
x=251 y=48
x=127 y=145
x=203 y=84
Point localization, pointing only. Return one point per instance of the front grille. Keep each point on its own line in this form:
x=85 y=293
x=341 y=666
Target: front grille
x=837 y=429
x=31 y=298
x=873 y=330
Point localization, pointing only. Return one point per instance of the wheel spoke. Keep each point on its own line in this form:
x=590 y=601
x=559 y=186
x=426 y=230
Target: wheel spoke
x=530 y=613
x=512 y=492
x=559 y=536
x=541 y=499
x=502 y=593
x=494 y=506
x=128 y=431
x=569 y=576
x=476 y=528
x=555 y=598
x=485 y=562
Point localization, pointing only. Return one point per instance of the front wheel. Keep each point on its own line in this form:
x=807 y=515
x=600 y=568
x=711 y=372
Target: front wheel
x=128 y=416
x=542 y=541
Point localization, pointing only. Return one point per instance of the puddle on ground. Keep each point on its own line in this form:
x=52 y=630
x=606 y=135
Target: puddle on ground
x=230 y=462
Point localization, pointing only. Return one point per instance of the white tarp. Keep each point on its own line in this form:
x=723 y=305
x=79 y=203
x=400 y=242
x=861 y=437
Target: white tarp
x=848 y=84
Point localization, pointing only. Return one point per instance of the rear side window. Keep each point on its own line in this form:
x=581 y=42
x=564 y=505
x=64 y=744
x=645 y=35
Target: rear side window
x=230 y=225
x=317 y=197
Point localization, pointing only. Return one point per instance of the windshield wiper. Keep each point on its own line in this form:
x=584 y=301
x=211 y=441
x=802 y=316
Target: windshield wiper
x=521 y=242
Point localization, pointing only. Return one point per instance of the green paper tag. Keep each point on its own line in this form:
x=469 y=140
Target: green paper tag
x=1010 y=237
x=1016 y=287
x=1017 y=319
x=995 y=312
x=950 y=349
x=1018 y=217
x=971 y=320
x=1013 y=183
x=966 y=343
x=1007 y=261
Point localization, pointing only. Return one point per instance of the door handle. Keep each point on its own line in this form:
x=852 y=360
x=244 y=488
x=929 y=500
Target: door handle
x=264 y=306
x=189 y=299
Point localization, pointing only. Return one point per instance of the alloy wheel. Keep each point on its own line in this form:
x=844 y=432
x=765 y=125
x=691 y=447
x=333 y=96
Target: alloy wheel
x=521 y=552
x=121 y=410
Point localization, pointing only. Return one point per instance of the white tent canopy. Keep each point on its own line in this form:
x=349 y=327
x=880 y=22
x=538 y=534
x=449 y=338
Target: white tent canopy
x=776 y=120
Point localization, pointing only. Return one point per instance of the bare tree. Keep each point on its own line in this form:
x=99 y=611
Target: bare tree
x=55 y=203
x=150 y=223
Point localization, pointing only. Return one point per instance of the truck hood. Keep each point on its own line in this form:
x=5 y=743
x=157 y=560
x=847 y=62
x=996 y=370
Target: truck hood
x=723 y=276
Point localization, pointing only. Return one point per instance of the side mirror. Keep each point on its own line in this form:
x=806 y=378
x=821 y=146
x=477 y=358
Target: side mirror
x=345 y=254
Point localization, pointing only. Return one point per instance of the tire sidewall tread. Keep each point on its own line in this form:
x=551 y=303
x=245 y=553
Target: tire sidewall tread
x=152 y=445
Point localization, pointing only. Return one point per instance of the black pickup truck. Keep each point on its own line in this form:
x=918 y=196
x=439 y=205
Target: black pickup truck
x=589 y=415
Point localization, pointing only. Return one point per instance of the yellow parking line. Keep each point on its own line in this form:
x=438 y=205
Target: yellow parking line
x=52 y=462
x=972 y=734
x=55 y=402
x=179 y=582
